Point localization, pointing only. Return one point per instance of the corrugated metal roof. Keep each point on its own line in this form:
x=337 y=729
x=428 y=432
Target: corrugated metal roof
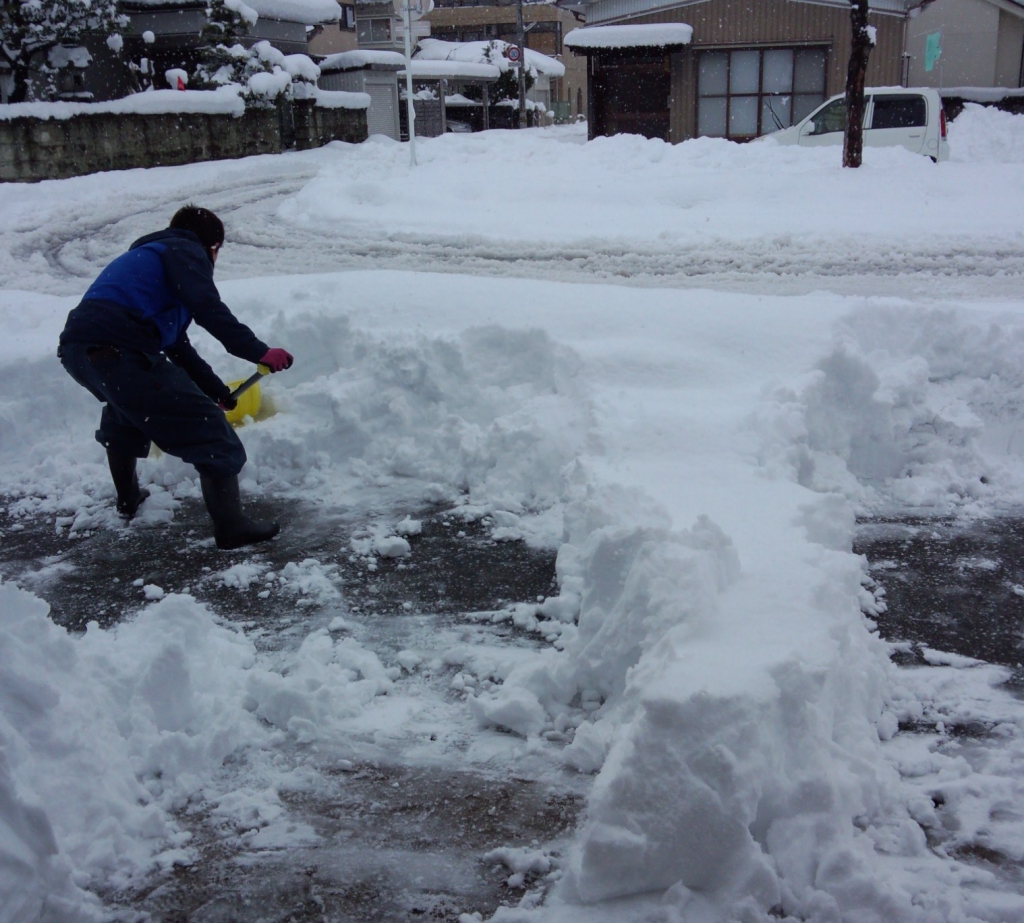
x=613 y=10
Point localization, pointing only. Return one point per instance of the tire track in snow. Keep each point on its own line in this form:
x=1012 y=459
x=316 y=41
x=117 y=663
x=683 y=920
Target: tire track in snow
x=76 y=242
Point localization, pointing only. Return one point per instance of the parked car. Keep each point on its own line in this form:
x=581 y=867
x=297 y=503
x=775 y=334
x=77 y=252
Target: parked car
x=911 y=117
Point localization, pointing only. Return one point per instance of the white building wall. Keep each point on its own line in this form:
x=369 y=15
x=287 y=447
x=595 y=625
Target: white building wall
x=1010 y=51
x=970 y=36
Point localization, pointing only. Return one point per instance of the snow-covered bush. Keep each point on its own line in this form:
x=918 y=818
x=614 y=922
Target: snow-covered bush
x=31 y=32
x=264 y=74
x=273 y=75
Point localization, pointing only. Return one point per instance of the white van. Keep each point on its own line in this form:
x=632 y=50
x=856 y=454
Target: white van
x=911 y=117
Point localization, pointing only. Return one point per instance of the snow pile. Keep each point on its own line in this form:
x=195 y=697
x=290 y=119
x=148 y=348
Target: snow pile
x=491 y=416
x=912 y=407
x=707 y=193
x=104 y=736
x=724 y=763
x=984 y=134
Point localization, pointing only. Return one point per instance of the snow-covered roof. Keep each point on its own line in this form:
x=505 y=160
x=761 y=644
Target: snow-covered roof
x=653 y=35
x=493 y=52
x=309 y=12
x=439 y=69
x=361 y=57
x=980 y=94
x=457 y=100
x=599 y=11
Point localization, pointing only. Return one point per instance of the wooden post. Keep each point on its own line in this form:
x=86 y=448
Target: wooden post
x=860 y=48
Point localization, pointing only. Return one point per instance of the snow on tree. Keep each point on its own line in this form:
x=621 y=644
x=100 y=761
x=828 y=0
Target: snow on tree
x=274 y=75
x=30 y=30
x=224 y=59
x=507 y=85
x=265 y=73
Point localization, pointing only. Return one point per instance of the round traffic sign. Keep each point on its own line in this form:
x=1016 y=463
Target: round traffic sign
x=512 y=54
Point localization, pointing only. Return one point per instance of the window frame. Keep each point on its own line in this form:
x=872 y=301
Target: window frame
x=370 y=21
x=761 y=96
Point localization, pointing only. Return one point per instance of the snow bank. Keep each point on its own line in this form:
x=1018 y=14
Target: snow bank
x=911 y=408
x=706 y=193
x=983 y=134
x=103 y=736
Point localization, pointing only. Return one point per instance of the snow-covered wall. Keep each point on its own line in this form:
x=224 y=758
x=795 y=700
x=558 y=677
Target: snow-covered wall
x=38 y=143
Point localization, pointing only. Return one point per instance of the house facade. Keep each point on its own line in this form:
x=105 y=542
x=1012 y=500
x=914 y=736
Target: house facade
x=966 y=43
x=336 y=37
x=746 y=68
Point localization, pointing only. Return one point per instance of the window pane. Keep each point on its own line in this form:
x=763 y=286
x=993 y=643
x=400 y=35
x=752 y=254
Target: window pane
x=899 y=112
x=714 y=74
x=742 y=116
x=778 y=71
x=745 y=71
x=804 y=105
x=782 y=107
x=809 y=75
x=711 y=117
x=831 y=118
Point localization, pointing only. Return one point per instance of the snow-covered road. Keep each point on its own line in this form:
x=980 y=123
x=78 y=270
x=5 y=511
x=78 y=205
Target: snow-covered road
x=684 y=371
x=271 y=231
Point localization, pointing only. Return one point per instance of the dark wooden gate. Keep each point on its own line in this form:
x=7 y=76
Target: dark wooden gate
x=631 y=94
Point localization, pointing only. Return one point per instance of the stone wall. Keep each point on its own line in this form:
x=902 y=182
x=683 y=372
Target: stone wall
x=316 y=126
x=33 y=149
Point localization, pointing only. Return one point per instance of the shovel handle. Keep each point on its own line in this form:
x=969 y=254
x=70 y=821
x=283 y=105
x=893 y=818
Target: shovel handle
x=261 y=370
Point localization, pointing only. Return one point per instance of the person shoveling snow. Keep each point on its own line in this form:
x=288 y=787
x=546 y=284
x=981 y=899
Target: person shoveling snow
x=126 y=343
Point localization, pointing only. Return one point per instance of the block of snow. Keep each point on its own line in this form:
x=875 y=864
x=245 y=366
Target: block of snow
x=393 y=546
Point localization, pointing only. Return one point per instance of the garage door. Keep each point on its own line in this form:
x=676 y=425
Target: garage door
x=382 y=118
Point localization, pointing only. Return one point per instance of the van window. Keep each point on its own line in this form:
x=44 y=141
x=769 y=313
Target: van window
x=899 y=112
x=831 y=118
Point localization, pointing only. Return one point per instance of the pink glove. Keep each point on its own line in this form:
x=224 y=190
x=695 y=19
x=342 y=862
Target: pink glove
x=277 y=359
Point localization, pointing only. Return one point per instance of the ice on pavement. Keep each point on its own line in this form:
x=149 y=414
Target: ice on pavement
x=696 y=458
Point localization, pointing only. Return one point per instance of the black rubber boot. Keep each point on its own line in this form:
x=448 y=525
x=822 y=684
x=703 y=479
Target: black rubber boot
x=231 y=527
x=126 y=483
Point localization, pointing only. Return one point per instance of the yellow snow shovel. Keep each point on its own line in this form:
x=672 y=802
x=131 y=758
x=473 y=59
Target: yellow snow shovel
x=247 y=396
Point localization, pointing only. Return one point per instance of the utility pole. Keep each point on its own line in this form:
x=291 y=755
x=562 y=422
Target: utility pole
x=403 y=5
x=522 y=63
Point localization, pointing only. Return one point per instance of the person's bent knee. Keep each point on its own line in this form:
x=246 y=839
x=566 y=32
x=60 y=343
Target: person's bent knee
x=225 y=462
x=136 y=446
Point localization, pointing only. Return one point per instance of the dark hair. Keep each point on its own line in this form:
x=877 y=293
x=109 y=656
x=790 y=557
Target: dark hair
x=202 y=222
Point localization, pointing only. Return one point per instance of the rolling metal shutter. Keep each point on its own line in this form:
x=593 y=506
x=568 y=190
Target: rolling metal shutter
x=382 y=117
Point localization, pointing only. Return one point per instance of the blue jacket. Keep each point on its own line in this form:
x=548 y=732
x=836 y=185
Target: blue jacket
x=146 y=299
